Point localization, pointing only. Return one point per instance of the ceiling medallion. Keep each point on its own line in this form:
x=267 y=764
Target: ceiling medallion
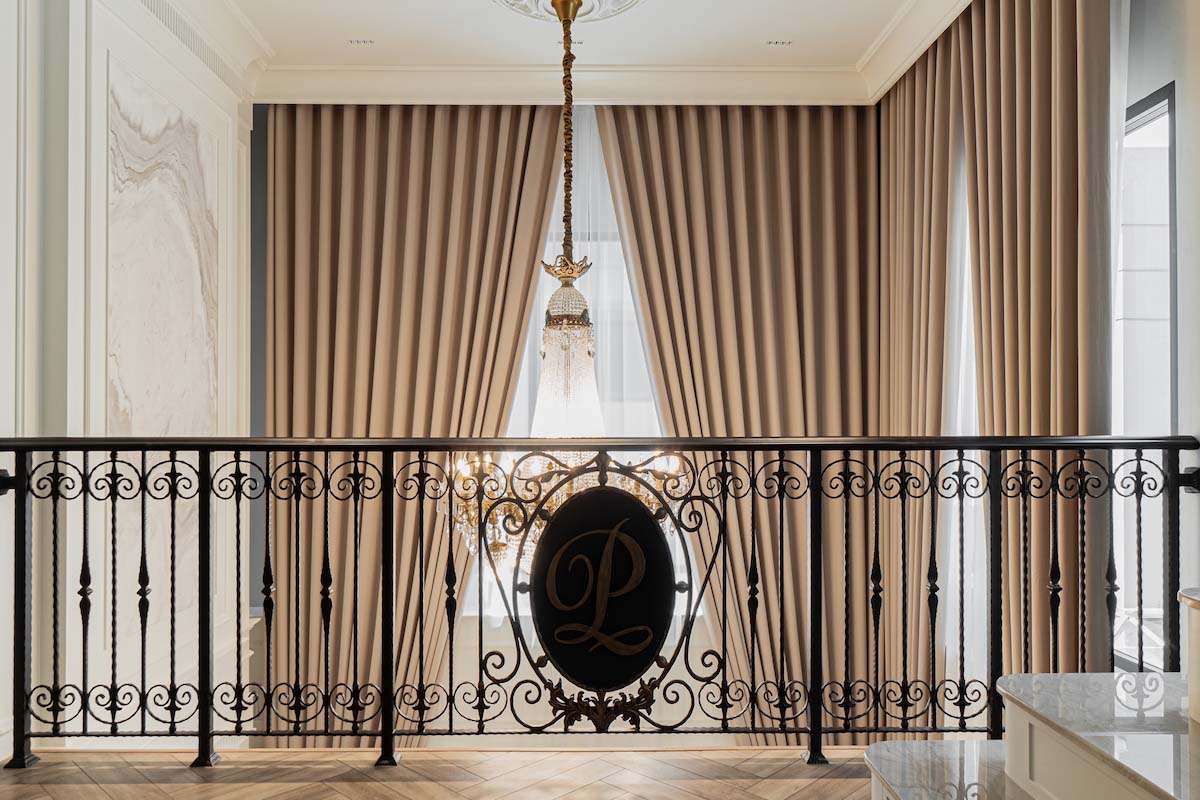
x=590 y=11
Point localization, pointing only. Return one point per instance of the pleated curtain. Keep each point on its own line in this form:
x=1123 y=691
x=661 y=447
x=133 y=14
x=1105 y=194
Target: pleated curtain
x=403 y=242
x=1035 y=80
x=752 y=238
x=920 y=146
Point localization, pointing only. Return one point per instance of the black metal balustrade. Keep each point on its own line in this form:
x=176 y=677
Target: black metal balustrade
x=125 y=550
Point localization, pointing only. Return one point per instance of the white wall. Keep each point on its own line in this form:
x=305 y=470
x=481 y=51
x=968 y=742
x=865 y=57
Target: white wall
x=124 y=159
x=1164 y=47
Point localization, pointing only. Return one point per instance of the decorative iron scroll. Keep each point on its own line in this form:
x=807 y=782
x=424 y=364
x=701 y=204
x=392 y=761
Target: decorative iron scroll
x=657 y=590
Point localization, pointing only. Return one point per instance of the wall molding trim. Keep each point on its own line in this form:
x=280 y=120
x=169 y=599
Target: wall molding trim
x=219 y=35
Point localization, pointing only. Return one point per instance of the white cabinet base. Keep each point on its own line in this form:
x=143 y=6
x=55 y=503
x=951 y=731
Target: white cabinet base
x=1050 y=766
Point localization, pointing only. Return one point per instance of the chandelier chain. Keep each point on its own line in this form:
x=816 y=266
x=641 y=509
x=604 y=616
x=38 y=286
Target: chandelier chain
x=568 y=138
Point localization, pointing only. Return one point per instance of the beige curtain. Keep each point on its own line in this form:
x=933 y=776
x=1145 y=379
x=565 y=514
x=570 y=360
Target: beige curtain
x=1035 y=107
x=752 y=236
x=920 y=138
x=402 y=247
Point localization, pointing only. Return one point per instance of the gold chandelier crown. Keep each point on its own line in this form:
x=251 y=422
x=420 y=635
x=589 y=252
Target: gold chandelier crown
x=567 y=270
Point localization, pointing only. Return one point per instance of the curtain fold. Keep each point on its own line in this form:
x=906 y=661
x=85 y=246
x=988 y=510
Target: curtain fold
x=403 y=242
x=920 y=151
x=1035 y=91
x=752 y=237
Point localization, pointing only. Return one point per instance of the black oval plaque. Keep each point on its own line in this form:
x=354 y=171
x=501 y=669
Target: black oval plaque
x=602 y=589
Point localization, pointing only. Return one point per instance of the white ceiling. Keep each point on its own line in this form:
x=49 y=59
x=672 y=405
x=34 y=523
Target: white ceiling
x=841 y=51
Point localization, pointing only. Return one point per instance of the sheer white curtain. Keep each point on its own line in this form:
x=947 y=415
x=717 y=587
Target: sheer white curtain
x=627 y=395
x=965 y=551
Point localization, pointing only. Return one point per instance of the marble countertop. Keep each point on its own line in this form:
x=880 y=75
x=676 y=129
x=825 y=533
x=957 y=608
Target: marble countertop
x=1190 y=597
x=943 y=770
x=1138 y=721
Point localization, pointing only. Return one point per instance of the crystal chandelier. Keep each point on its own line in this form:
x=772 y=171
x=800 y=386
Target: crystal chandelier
x=568 y=398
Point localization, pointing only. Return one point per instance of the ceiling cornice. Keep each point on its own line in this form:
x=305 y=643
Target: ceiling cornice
x=916 y=26
x=649 y=85
x=911 y=30
x=227 y=29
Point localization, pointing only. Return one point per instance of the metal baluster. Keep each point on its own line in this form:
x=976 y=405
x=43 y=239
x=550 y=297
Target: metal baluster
x=1025 y=473
x=451 y=601
x=905 y=697
x=387 y=738
x=1171 y=489
x=847 y=701
x=1110 y=570
x=297 y=496
x=995 y=714
x=481 y=543
x=1138 y=489
x=85 y=597
x=723 y=540
x=962 y=584
x=172 y=697
x=326 y=597
x=1083 y=596
x=752 y=595
x=356 y=503
x=56 y=486
x=22 y=679
x=143 y=588
x=239 y=479
x=876 y=586
x=114 y=490
x=816 y=577
x=1055 y=565
x=931 y=578
x=422 y=478
x=780 y=675
x=206 y=756
x=268 y=595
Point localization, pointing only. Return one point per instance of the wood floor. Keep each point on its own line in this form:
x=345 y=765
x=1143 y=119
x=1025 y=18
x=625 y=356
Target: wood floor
x=732 y=774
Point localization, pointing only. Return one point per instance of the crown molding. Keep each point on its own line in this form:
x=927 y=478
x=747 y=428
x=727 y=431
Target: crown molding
x=915 y=27
x=650 y=85
x=909 y=33
x=228 y=31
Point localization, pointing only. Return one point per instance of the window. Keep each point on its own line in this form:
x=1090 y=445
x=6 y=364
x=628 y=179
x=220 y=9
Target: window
x=627 y=397
x=1144 y=350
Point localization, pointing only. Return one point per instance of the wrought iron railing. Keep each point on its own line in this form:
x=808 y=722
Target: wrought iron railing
x=804 y=587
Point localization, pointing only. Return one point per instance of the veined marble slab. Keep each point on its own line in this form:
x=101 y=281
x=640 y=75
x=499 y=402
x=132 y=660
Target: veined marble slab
x=1134 y=725
x=940 y=770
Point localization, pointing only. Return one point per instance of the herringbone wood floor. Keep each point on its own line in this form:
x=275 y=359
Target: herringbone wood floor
x=730 y=774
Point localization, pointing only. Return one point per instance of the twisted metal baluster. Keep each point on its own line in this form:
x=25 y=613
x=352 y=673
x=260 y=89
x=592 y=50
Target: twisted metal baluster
x=143 y=587
x=932 y=582
x=85 y=595
x=752 y=599
x=326 y=596
x=268 y=595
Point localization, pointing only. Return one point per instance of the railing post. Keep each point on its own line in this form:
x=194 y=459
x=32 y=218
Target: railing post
x=816 y=607
x=1171 y=634
x=995 y=589
x=22 y=565
x=205 y=754
x=387 y=567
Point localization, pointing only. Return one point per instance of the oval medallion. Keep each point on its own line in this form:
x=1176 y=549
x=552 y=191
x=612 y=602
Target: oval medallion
x=602 y=589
